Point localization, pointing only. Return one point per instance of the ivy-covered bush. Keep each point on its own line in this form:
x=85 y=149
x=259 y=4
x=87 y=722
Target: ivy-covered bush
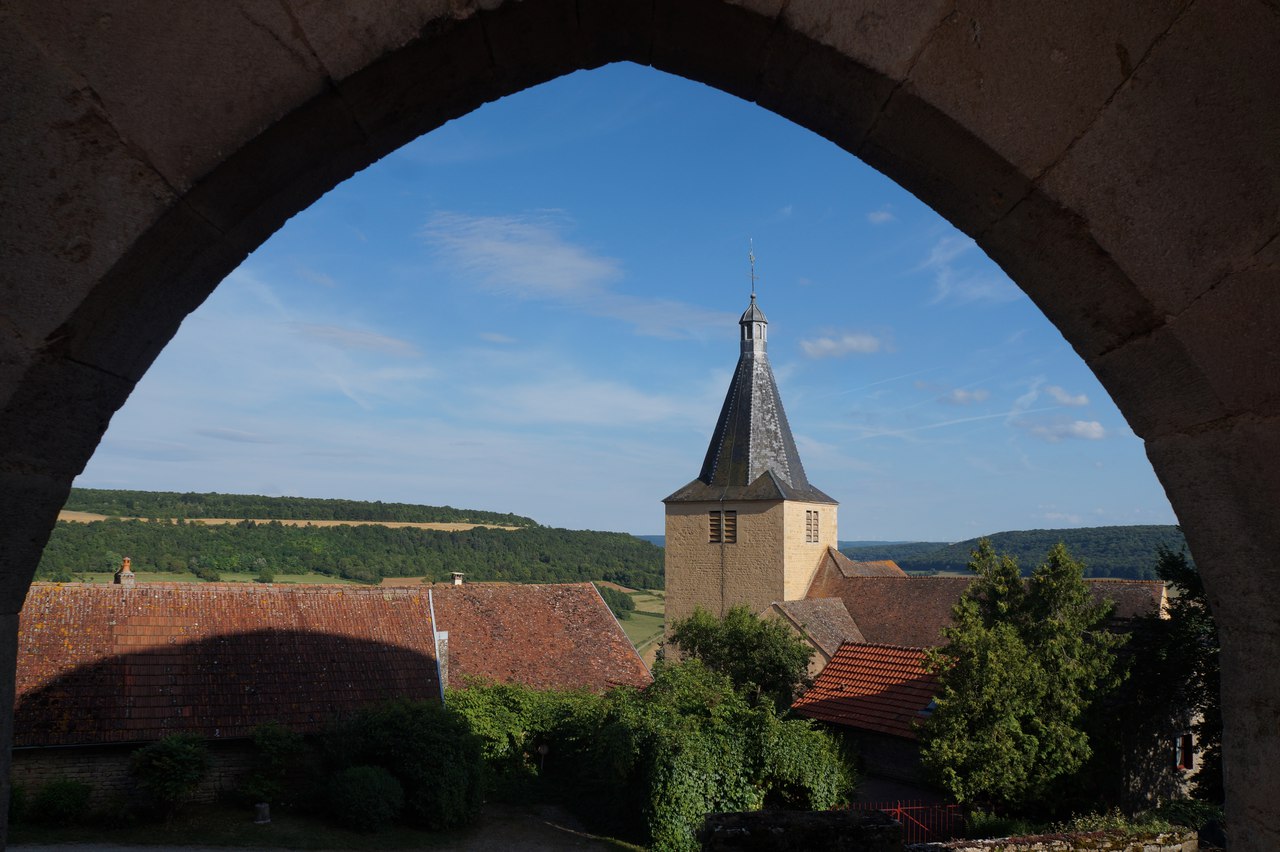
x=60 y=802
x=171 y=769
x=365 y=798
x=429 y=749
x=654 y=762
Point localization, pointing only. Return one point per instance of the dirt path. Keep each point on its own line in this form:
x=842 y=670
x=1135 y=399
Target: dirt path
x=502 y=827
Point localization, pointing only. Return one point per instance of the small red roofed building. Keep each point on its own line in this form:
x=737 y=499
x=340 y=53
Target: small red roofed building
x=880 y=693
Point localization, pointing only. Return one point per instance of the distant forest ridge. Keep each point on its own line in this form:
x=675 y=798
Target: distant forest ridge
x=173 y=504
x=1125 y=552
x=361 y=552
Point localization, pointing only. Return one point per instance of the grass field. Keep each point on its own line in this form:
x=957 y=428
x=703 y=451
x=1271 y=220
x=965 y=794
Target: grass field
x=644 y=627
x=89 y=517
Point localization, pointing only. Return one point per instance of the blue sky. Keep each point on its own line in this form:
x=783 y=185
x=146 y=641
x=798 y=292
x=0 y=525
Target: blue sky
x=533 y=309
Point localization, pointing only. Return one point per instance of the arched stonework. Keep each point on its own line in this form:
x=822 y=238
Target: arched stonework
x=1117 y=159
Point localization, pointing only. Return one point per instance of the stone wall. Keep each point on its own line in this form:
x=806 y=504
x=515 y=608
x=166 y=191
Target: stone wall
x=801 y=831
x=1177 y=841
x=719 y=576
x=801 y=558
x=106 y=769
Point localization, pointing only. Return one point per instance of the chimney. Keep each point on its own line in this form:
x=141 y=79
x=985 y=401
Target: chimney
x=442 y=657
x=124 y=577
x=457 y=578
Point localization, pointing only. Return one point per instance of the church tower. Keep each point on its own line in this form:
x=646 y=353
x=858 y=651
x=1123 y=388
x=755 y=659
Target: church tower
x=750 y=529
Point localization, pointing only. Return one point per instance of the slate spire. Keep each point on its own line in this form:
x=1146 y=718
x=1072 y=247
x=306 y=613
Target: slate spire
x=752 y=454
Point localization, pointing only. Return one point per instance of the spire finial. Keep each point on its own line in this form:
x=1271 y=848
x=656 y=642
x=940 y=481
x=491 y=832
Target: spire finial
x=751 y=258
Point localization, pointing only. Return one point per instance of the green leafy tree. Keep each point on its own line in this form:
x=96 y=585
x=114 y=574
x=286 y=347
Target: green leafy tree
x=1021 y=665
x=764 y=660
x=171 y=769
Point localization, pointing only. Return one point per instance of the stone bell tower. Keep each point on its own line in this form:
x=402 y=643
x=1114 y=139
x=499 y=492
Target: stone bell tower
x=750 y=529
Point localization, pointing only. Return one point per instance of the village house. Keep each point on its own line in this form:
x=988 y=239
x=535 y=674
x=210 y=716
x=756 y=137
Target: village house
x=105 y=668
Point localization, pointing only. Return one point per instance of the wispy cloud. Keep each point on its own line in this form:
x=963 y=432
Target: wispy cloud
x=350 y=338
x=840 y=345
x=881 y=216
x=238 y=436
x=1061 y=396
x=964 y=396
x=496 y=337
x=528 y=257
x=962 y=285
x=1055 y=431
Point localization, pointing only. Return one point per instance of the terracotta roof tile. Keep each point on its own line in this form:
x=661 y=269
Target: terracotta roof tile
x=912 y=611
x=547 y=636
x=882 y=688
x=113 y=664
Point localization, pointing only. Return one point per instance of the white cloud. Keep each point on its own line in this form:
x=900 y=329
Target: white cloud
x=1063 y=517
x=963 y=396
x=495 y=337
x=881 y=217
x=1086 y=430
x=837 y=346
x=1061 y=396
x=529 y=258
x=238 y=436
x=785 y=212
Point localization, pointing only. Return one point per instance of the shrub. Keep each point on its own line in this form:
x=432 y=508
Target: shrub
x=276 y=748
x=61 y=801
x=365 y=798
x=429 y=749
x=171 y=769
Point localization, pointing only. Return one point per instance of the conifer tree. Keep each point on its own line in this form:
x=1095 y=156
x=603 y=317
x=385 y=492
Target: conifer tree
x=1020 y=666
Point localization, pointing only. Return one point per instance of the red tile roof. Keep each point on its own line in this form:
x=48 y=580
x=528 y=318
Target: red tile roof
x=912 y=611
x=100 y=664
x=547 y=636
x=882 y=688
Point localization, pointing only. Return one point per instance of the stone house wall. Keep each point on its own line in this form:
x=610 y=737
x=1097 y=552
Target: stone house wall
x=106 y=769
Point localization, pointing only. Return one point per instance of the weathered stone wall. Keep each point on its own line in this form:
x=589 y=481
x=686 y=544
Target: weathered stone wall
x=106 y=769
x=1178 y=841
x=801 y=831
x=717 y=577
x=801 y=558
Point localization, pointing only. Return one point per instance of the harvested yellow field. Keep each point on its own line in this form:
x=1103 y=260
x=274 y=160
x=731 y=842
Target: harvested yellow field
x=87 y=517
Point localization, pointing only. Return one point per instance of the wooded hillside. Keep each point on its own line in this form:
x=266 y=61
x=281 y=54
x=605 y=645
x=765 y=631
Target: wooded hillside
x=172 y=504
x=364 y=552
x=1127 y=552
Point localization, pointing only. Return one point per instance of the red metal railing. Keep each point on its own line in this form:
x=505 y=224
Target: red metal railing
x=921 y=822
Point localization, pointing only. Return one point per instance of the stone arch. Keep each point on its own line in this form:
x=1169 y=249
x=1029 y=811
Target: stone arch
x=1117 y=161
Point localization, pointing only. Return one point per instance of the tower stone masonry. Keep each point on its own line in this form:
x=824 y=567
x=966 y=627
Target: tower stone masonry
x=750 y=530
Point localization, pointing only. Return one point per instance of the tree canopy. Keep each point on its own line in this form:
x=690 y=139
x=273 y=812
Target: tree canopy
x=1021 y=665
x=763 y=659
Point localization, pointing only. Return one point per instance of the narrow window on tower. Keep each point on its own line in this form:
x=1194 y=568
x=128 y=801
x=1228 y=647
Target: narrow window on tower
x=730 y=527
x=816 y=535
x=810 y=526
x=717 y=529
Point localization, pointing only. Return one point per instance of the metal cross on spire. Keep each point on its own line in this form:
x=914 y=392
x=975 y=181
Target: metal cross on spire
x=751 y=258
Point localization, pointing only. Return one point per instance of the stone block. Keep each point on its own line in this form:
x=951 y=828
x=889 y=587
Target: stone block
x=819 y=88
x=718 y=44
x=1029 y=78
x=30 y=503
x=445 y=73
x=187 y=89
x=935 y=158
x=532 y=43
x=1049 y=251
x=75 y=194
x=612 y=30
x=347 y=37
x=1152 y=175
x=885 y=37
x=1158 y=385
